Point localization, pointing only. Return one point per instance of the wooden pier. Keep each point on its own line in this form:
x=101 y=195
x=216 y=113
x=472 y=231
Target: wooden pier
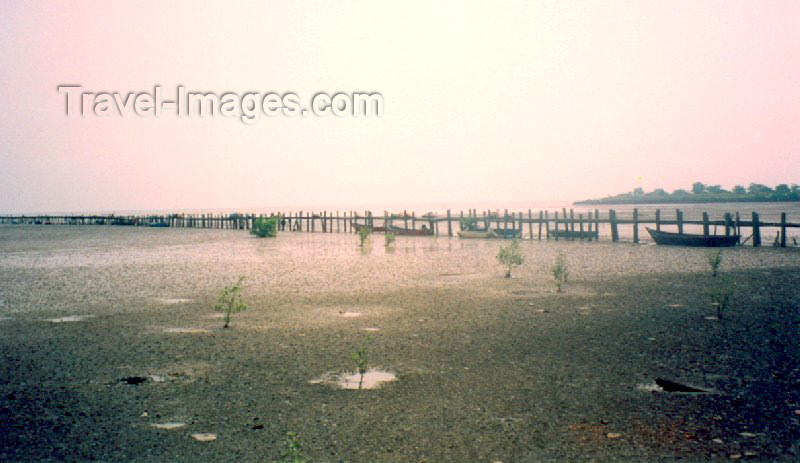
x=566 y=224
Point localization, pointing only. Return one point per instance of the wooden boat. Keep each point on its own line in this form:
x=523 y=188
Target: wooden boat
x=685 y=239
x=567 y=234
x=477 y=234
x=424 y=231
x=359 y=226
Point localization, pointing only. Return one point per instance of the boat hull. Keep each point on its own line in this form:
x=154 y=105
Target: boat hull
x=477 y=234
x=409 y=231
x=359 y=226
x=684 y=239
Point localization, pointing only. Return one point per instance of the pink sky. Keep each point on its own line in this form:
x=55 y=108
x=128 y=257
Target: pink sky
x=485 y=102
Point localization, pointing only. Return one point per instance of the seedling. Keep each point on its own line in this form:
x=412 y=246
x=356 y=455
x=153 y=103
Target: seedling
x=714 y=261
x=361 y=359
x=389 y=239
x=510 y=256
x=363 y=235
x=294 y=449
x=560 y=271
x=266 y=226
x=721 y=297
x=231 y=301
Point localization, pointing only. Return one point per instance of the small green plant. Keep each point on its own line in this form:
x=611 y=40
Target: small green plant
x=714 y=261
x=721 y=296
x=231 y=301
x=266 y=226
x=390 y=237
x=510 y=256
x=361 y=359
x=363 y=235
x=294 y=449
x=560 y=271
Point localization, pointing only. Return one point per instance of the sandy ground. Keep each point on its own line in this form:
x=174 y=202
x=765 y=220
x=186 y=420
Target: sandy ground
x=488 y=369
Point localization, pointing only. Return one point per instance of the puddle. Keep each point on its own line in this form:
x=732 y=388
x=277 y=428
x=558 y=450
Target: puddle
x=350 y=314
x=71 y=318
x=186 y=330
x=169 y=425
x=372 y=379
x=204 y=436
x=171 y=301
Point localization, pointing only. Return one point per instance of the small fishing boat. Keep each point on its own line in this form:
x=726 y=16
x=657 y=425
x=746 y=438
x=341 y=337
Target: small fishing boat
x=477 y=234
x=685 y=239
x=359 y=226
x=424 y=231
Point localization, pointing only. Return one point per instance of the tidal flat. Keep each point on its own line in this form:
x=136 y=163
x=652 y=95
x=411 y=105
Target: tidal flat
x=111 y=349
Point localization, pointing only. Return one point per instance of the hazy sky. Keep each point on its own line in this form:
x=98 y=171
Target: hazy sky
x=485 y=103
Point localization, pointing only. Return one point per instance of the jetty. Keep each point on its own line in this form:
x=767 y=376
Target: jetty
x=566 y=224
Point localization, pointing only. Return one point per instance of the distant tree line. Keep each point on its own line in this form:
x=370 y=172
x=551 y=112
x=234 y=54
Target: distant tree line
x=702 y=193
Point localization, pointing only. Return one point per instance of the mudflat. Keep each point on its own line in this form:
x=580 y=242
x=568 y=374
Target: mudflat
x=111 y=350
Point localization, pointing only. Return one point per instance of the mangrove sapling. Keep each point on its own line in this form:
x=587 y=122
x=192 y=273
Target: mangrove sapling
x=510 y=256
x=361 y=359
x=231 y=301
x=560 y=271
x=721 y=295
x=266 y=226
x=294 y=449
x=389 y=239
x=363 y=235
x=714 y=261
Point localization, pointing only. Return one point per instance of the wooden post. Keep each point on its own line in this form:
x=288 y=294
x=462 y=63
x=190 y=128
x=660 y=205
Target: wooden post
x=571 y=225
x=449 y=224
x=505 y=223
x=756 y=231
x=783 y=229
x=679 y=218
x=728 y=224
x=540 y=225
x=589 y=226
x=705 y=224
x=612 y=218
x=547 y=224
x=658 y=219
x=555 y=224
x=738 y=226
x=530 y=223
x=597 y=224
x=580 y=223
x=635 y=225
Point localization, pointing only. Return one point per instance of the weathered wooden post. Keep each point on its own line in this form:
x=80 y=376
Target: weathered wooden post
x=449 y=224
x=530 y=223
x=571 y=231
x=547 y=224
x=679 y=219
x=580 y=223
x=738 y=226
x=540 y=225
x=597 y=224
x=783 y=229
x=756 y=231
x=705 y=224
x=555 y=224
x=589 y=226
x=612 y=218
x=658 y=219
x=505 y=223
x=635 y=225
